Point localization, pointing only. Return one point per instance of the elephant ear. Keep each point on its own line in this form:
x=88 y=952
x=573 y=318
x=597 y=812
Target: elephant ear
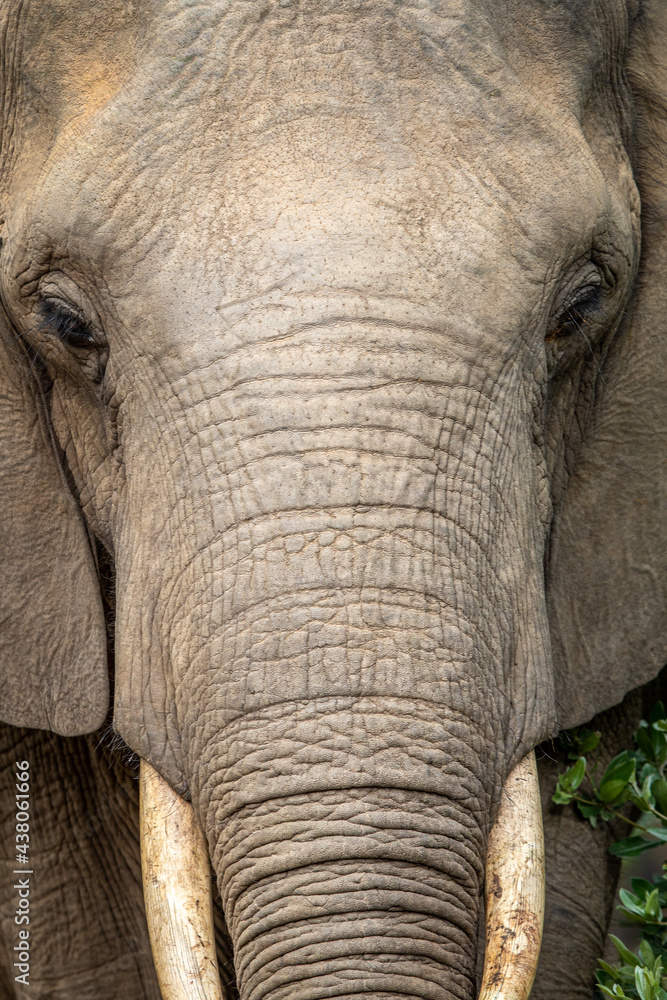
x=607 y=578
x=53 y=654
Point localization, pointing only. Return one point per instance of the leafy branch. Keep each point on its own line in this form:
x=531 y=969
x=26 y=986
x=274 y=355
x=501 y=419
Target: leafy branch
x=634 y=776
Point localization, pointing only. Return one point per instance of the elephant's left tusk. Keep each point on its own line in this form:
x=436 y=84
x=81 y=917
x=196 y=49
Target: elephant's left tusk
x=177 y=891
x=514 y=894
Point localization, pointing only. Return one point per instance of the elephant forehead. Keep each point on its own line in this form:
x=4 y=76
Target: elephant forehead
x=227 y=93
x=199 y=75
x=277 y=246
x=398 y=149
x=372 y=107
x=432 y=201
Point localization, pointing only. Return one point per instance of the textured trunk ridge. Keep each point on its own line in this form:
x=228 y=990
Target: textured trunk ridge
x=373 y=892
x=348 y=839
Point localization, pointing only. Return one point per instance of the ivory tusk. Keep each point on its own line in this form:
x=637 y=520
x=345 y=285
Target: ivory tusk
x=177 y=892
x=514 y=893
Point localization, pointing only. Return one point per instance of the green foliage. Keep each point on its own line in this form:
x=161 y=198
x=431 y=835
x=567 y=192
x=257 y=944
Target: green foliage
x=635 y=777
x=569 y=782
x=638 y=978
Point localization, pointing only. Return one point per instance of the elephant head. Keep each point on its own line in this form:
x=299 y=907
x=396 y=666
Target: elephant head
x=337 y=327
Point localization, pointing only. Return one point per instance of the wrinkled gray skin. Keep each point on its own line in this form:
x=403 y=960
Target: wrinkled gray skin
x=363 y=404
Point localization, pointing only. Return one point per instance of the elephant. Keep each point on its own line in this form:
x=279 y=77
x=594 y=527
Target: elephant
x=333 y=351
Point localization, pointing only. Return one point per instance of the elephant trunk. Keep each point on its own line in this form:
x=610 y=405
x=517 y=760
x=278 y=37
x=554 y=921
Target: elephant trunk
x=348 y=839
x=176 y=870
x=330 y=635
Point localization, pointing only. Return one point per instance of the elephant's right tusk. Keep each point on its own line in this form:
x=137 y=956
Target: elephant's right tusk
x=515 y=883
x=177 y=893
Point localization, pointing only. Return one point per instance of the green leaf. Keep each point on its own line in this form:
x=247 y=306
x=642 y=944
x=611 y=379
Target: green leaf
x=632 y=776
x=609 y=791
x=645 y=950
x=579 y=741
x=575 y=774
x=652 y=906
x=649 y=776
x=631 y=847
x=586 y=740
x=642 y=887
x=659 y=792
x=587 y=809
x=624 y=953
x=569 y=782
x=618 y=775
x=631 y=903
x=621 y=766
x=612 y=993
x=645 y=800
x=644 y=741
x=590 y=812
x=561 y=798
x=657 y=728
x=644 y=983
x=657 y=713
x=646 y=769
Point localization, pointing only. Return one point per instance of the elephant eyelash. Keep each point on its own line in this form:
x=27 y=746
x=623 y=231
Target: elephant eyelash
x=575 y=320
x=66 y=325
x=577 y=316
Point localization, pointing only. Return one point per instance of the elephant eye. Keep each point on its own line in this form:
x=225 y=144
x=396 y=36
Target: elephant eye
x=577 y=315
x=66 y=324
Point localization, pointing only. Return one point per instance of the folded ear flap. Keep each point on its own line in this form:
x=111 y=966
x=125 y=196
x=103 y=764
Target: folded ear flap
x=607 y=578
x=53 y=654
